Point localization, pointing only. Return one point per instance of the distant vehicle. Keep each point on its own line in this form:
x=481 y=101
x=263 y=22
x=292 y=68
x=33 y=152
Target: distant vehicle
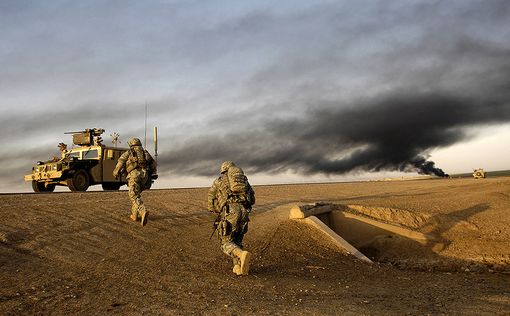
x=478 y=173
x=78 y=168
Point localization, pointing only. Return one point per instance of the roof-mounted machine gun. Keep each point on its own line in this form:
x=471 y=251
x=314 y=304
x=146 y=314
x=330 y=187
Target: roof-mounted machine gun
x=86 y=137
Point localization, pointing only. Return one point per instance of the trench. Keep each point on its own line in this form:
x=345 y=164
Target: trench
x=378 y=235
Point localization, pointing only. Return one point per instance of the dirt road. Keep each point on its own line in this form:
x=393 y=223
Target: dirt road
x=78 y=253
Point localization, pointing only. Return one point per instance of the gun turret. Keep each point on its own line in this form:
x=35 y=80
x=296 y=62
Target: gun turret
x=85 y=137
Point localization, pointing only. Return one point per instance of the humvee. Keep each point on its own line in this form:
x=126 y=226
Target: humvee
x=78 y=168
x=478 y=173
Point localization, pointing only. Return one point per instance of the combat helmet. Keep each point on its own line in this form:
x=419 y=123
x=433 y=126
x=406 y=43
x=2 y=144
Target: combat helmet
x=134 y=142
x=225 y=165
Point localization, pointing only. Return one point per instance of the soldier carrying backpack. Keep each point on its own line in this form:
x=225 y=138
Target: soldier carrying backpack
x=231 y=197
x=139 y=166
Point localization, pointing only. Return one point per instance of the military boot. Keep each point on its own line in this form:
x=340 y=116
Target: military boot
x=244 y=258
x=145 y=217
x=237 y=266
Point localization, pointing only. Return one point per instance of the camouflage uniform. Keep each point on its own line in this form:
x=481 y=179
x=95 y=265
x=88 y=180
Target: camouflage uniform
x=139 y=165
x=234 y=211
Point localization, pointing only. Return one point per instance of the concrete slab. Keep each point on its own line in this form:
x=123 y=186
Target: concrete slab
x=304 y=210
x=335 y=238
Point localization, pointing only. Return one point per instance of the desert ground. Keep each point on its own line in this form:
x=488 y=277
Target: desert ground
x=78 y=253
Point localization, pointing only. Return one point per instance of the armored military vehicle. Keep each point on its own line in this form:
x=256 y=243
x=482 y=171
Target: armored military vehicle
x=478 y=173
x=89 y=163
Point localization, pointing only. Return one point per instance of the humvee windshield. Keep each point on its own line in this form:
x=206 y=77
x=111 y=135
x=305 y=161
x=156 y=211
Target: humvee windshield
x=73 y=154
x=90 y=154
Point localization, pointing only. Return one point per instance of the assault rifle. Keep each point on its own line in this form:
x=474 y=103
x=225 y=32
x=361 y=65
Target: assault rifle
x=216 y=224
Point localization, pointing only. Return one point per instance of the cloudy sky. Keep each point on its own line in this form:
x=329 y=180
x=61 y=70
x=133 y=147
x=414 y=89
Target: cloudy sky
x=293 y=91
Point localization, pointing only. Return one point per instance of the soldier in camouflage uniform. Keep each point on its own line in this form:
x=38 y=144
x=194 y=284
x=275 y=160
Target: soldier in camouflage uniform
x=233 y=216
x=139 y=165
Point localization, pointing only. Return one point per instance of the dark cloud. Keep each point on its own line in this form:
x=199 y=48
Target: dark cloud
x=392 y=132
x=420 y=95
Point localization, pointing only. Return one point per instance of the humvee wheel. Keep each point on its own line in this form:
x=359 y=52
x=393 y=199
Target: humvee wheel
x=79 y=181
x=40 y=187
x=111 y=186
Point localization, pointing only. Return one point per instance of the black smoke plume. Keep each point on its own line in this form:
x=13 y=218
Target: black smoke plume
x=393 y=132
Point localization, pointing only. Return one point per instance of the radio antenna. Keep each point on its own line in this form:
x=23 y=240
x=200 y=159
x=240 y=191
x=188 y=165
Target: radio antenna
x=156 y=143
x=145 y=127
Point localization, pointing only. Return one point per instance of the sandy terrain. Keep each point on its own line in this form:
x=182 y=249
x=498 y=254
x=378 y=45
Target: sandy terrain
x=66 y=253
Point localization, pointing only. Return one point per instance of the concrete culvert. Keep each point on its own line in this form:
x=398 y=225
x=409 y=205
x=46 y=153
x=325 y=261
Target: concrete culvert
x=381 y=235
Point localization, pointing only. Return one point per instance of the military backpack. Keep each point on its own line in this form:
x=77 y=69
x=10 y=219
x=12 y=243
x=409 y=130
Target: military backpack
x=238 y=181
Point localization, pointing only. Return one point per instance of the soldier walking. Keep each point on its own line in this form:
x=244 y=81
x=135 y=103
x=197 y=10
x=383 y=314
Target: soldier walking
x=139 y=166
x=231 y=197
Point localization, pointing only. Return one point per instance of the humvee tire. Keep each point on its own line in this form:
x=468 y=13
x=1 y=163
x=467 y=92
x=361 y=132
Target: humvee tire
x=108 y=186
x=79 y=181
x=40 y=187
